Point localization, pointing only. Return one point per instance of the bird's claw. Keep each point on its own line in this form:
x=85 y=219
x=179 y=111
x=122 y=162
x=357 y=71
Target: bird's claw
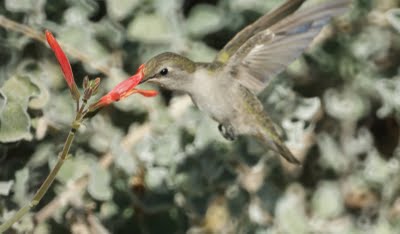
x=227 y=131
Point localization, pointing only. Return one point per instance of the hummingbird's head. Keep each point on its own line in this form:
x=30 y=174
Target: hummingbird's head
x=170 y=70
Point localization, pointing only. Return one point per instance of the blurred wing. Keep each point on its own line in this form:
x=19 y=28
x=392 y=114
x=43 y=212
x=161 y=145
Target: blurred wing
x=270 y=51
x=261 y=24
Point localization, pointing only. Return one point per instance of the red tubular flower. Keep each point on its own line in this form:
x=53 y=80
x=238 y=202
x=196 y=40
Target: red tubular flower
x=64 y=64
x=123 y=90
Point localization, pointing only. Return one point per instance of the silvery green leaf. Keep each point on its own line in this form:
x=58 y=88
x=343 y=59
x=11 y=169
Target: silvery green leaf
x=377 y=170
x=392 y=186
x=61 y=103
x=102 y=134
x=50 y=74
x=389 y=92
x=393 y=16
x=264 y=231
x=42 y=154
x=327 y=191
x=15 y=122
x=383 y=226
x=257 y=213
x=362 y=142
x=36 y=77
x=307 y=108
x=5 y=187
x=255 y=5
x=77 y=15
x=200 y=52
x=149 y=28
x=168 y=145
x=108 y=209
x=166 y=7
x=297 y=125
x=85 y=42
x=144 y=150
x=42 y=228
x=279 y=97
x=112 y=32
x=23 y=5
x=99 y=184
x=331 y=154
x=21 y=187
x=207 y=132
x=25 y=225
x=345 y=104
x=322 y=225
x=373 y=42
x=156 y=177
x=3 y=101
x=290 y=211
x=298 y=67
x=148 y=50
x=118 y=10
x=74 y=167
x=196 y=23
x=125 y=161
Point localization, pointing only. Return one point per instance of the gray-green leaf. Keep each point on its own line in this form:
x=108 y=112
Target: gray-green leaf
x=15 y=122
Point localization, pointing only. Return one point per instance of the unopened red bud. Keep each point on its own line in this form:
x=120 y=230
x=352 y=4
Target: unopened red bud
x=64 y=64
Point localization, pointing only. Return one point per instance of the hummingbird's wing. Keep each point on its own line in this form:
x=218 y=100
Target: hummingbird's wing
x=259 y=25
x=269 y=52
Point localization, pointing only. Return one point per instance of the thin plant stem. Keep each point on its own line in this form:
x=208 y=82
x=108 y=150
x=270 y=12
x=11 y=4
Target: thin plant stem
x=50 y=178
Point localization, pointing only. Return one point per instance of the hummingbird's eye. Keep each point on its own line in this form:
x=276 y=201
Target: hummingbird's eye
x=164 y=72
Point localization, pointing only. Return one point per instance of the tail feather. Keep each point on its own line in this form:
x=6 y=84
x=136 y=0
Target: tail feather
x=269 y=136
x=283 y=150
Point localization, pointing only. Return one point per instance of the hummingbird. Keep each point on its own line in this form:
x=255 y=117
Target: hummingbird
x=227 y=88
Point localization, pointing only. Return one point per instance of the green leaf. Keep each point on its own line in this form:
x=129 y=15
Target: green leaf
x=86 y=42
x=39 y=74
x=5 y=187
x=99 y=184
x=290 y=211
x=2 y=101
x=149 y=28
x=20 y=187
x=259 y=6
x=15 y=122
x=204 y=19
x=327 y=191
x=24 y=5
x=201 y=52
x=72 y=169
x=393 y=17
x=118 y=10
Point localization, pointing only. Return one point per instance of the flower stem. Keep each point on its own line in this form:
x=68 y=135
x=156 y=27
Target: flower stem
x=49 y=180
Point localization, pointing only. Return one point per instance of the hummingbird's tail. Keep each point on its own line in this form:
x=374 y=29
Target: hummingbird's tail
x=269 y=136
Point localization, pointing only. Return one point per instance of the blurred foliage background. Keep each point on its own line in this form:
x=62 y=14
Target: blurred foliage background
x=159 y=165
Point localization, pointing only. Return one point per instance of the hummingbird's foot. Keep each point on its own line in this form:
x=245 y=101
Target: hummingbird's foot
x=227 y=131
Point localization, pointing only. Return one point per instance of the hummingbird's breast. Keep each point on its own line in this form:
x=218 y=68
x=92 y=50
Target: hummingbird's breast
x=217 y=96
